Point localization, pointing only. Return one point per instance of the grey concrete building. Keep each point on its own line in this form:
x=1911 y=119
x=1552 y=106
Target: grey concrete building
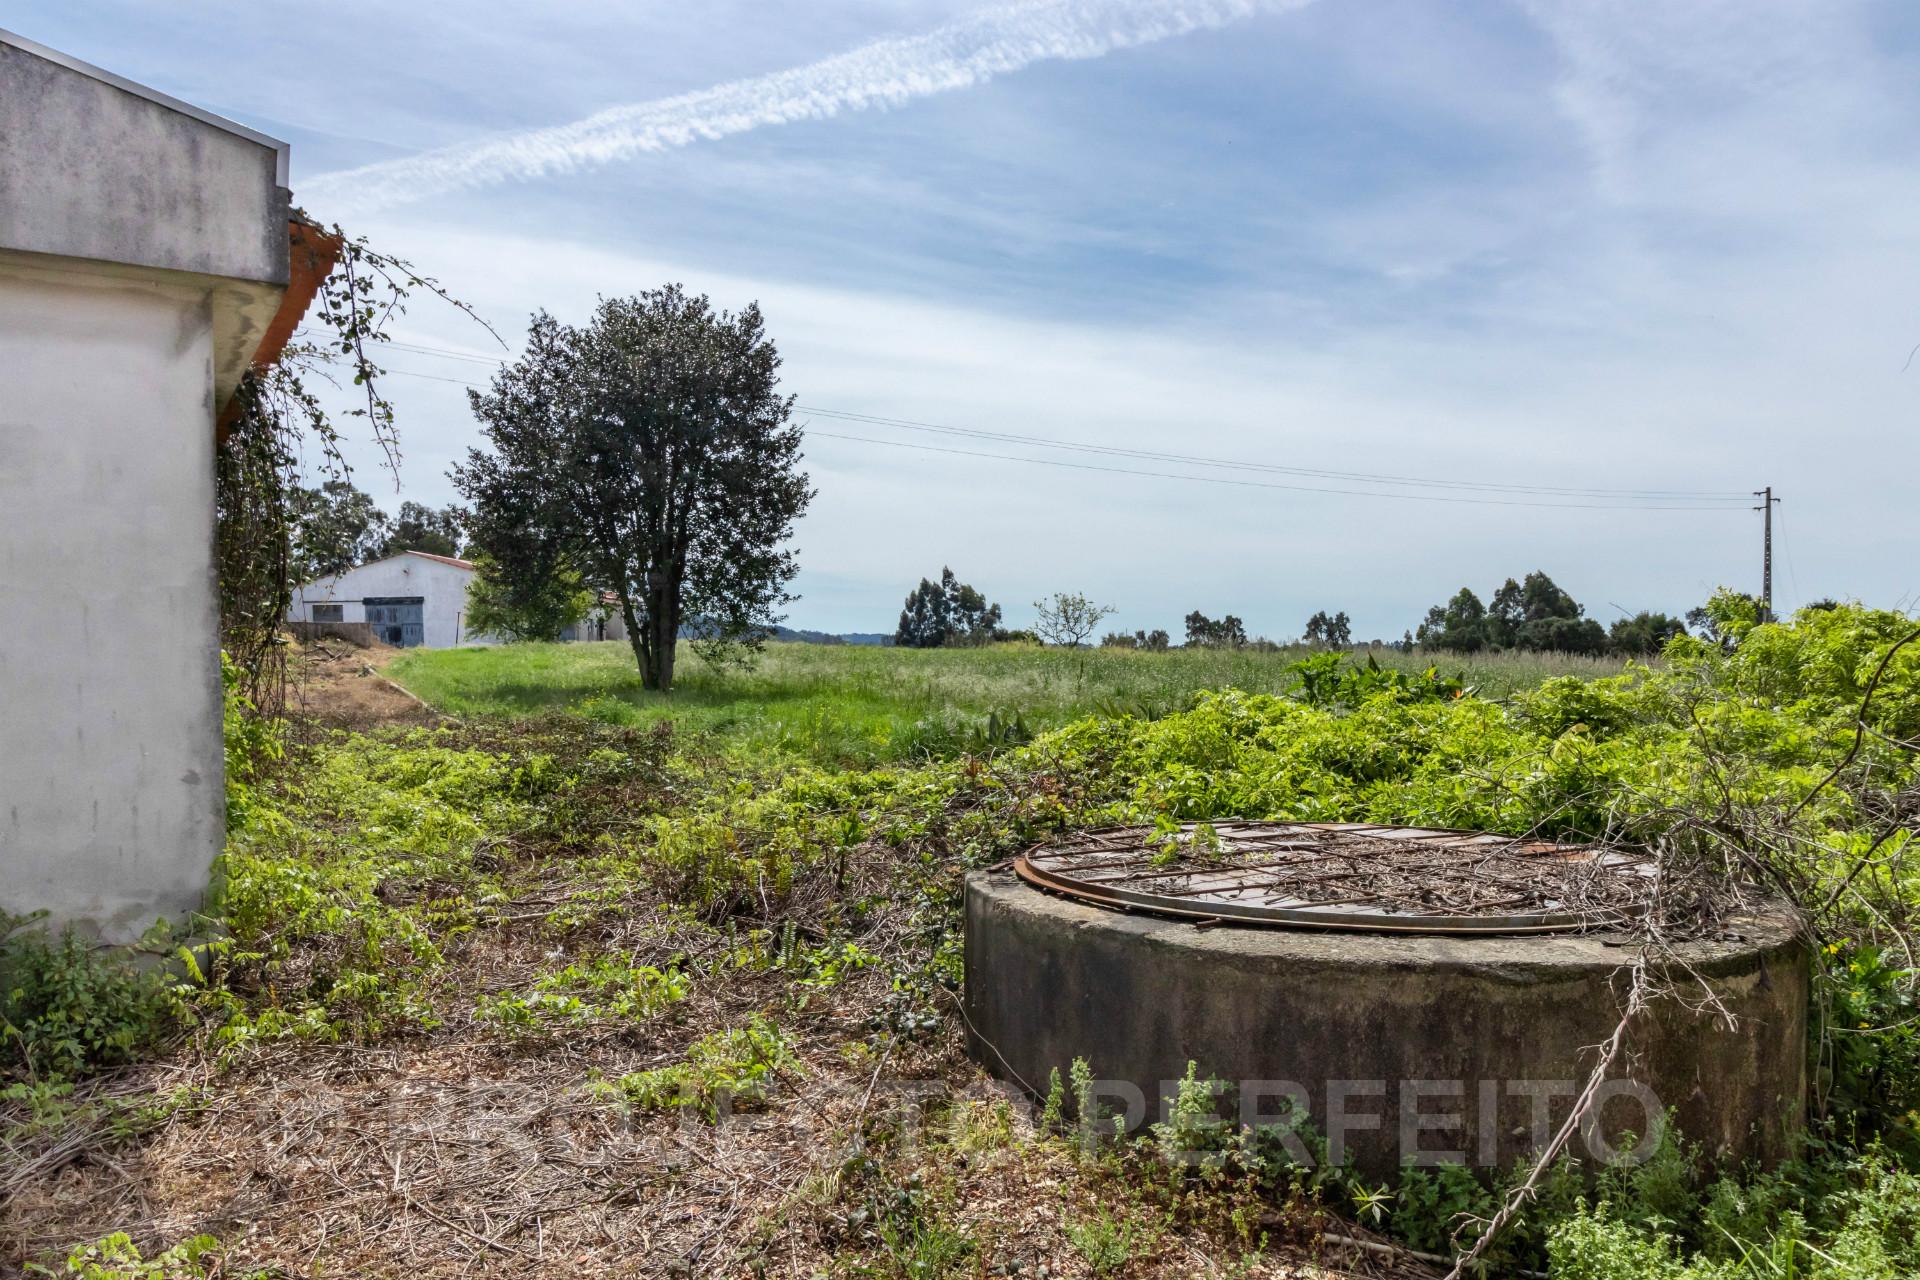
x=144 y=265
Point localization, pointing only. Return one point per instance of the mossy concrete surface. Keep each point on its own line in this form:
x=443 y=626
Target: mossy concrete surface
x=1404 y=1048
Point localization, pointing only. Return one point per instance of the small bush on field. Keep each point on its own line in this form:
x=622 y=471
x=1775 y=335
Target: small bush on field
x=1110 y=1241
x=605 y=989
x=116 y=1258
x=67 y=1011
x=728 y=1069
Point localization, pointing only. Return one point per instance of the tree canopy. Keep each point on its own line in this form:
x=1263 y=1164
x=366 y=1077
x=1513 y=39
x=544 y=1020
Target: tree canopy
x=1205 y=632
x=418 y=527
x=335 y=527
x=1329 y=632
x=1645 y=633
x=945 y=614
x=537 y=606
x=1534 y=613
x=1154 y=641
x=1068 y=618
x=651 y=451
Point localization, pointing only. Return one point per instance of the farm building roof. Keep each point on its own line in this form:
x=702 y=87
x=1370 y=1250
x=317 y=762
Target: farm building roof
x=455 y=561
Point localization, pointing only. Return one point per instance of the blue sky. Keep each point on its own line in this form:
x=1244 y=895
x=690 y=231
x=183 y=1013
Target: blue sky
x=1568 y=245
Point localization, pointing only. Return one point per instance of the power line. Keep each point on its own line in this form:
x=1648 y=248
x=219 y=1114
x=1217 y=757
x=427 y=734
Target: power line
x=1512 y=494
x=1259 y=484
x=1150 y=455
x=1363 y=477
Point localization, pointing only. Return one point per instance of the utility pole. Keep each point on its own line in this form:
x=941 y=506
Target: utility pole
x=1766 y=554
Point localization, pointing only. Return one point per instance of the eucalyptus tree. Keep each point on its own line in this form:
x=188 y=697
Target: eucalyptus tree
x=651 y=451
x=946 y=613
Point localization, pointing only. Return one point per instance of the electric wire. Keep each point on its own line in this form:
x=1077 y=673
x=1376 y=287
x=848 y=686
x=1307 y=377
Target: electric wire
x=1261 y=484
x=1503 y=494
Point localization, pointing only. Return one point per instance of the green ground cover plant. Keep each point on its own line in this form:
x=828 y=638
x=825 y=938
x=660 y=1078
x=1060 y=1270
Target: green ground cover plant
x=725 y=907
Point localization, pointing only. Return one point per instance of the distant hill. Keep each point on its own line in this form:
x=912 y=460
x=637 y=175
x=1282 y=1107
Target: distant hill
x=791 y=636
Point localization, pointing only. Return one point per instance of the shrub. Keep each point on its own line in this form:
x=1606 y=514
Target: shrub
x=728 y=1069
x=116 y=1258
x=67 y=1011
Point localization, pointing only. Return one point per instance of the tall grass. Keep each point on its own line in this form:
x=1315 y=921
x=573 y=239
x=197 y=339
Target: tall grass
x=854 y=704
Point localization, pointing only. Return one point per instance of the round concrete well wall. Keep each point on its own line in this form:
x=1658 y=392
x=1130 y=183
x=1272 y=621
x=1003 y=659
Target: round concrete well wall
x=1402 y=1047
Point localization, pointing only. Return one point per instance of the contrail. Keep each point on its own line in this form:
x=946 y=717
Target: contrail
x=886 y=73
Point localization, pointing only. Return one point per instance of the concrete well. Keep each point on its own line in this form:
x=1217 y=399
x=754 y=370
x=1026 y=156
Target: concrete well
x=1403 y=1047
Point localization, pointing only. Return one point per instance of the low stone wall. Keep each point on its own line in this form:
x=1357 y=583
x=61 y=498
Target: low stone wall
x=1403 y=1048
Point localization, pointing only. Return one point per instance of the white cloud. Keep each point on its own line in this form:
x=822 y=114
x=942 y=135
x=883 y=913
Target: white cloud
x=885 y=73
x=1433 y=405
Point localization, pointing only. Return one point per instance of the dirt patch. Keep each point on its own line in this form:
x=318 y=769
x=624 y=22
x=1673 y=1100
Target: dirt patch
x=339 y=685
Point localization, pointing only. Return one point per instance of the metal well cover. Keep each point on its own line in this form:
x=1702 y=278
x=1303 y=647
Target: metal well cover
x=1348 y=875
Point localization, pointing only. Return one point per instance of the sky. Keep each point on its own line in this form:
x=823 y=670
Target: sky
x=1554 y=260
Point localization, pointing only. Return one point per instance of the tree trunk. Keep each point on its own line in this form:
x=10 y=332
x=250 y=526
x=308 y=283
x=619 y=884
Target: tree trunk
x=636 y=640
x=661 y=616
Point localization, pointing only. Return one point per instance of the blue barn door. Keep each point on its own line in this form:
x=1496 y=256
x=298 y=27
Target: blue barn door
x=398 y=620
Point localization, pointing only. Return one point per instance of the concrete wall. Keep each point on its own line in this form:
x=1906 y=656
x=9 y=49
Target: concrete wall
x=442 y=587
x=143 y=253
x=1358 y=1020
x=111 y=804
x=93 y=168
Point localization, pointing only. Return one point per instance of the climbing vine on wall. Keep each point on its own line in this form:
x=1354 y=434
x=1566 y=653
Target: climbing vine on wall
x=280 y=427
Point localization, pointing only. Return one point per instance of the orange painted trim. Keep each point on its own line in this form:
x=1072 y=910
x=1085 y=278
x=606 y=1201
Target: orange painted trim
x=311 y=255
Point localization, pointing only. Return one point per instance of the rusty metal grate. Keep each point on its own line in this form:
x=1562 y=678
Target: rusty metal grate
x=1349 y=875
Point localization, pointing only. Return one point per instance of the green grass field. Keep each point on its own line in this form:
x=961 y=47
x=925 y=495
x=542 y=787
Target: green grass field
x=852 y=704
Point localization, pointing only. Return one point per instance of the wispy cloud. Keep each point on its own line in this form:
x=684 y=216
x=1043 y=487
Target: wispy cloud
x=1636 y=76
x=958 y=55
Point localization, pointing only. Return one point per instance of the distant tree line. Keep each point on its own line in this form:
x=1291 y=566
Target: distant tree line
x=1535 y=613
x=337 y=526
x=1531 y=613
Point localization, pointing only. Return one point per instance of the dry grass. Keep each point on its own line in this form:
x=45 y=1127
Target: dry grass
x=335 y=685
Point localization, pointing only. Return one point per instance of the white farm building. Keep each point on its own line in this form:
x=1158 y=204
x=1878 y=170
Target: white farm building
x=419 y=600
x=413 y=599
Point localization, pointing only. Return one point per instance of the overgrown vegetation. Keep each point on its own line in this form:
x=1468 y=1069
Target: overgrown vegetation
x=864 y=705
x=753 y=912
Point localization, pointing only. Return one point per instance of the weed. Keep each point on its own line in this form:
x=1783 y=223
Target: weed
x=1194 y=1135
x=67 y=1011
x=728 y=1070
x=604 y=989
x=1109 y=1241
x=116 y=1258
x=1052 y=1111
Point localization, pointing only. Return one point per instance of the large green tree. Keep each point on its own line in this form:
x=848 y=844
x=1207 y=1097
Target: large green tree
x=1330 y=631
x=1644 y=633
x=1533 y=613
x=1459 y=625
x=523 y=606
x=419 y=527
x=335 y=527
x=651 y=450
x=1209 y=633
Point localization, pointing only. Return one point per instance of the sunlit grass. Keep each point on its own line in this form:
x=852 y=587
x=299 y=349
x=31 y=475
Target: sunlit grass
x=855 y=703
